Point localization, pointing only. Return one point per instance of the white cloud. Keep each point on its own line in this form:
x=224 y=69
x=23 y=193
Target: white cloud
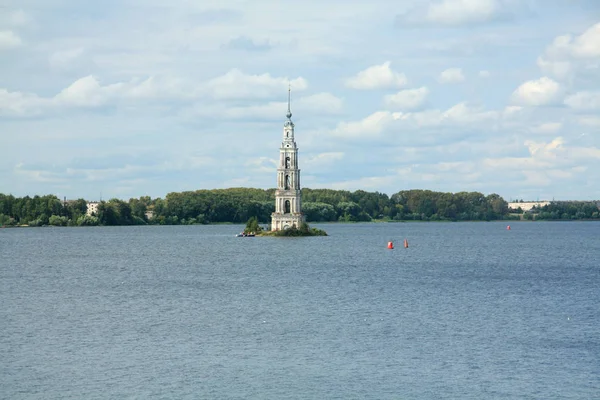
x=451 y=75
x=377 y=77
x=409 y=99
x=323 y=159
x=366 y=183
x=539 y=92
x=463 y=114
x=512 y=110
x=262 y=165
x=460 y=12
x=521 y=164
x=586 y=45
x=37 y=176
x=381 y=122
x=89 y=92
x=21 y=104
x=553 y=156
x=65 y=58
x=372 y=125
x=461 y=167
x=325 y=103
x=456 y=12
x=237 y=85
x=547 y=127
x=9 y=40
x=465 y=172
x=545 y=150
x=558 y=69
x=14 y=18
x=245 y=43
x=316 y=104
x=127 y=171
x=589 y=121
x=584 y=101
x=173 y=60
x=568 y=54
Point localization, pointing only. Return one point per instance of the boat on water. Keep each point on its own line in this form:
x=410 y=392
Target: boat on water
x=243 y=234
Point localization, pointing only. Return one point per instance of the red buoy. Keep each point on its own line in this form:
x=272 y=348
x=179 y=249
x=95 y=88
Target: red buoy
x=508 y=228
x=390 y=245
x=405 y=244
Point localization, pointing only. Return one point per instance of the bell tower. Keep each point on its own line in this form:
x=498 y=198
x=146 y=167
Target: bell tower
x=288 y=205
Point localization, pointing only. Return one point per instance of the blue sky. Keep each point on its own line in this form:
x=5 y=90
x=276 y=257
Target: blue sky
x=145 y=97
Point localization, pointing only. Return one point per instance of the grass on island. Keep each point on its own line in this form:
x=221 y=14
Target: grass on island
x=253 y=227
x=304 y=230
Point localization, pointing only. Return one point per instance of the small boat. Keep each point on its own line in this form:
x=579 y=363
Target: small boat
x=245 y=235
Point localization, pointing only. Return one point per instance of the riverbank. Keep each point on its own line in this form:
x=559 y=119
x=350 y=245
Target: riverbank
x=375 y=221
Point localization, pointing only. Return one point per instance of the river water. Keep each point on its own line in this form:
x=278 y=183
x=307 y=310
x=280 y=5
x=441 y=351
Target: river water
x=467 y=311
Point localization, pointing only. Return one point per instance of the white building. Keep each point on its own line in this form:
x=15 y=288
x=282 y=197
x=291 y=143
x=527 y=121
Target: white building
x=528 y=205
x=92 y=208
x=288 y=204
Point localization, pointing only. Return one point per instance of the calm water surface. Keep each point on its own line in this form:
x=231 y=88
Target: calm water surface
x=468 y=311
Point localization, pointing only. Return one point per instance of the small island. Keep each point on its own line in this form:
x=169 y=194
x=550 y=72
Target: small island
x=253 y=228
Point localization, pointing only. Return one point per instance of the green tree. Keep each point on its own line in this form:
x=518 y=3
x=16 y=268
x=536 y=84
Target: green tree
x=87 y=220
x=348 y=211
x=252 y=226
x=57 y=220
x=138 y=208
x=319 y=212
x=107 y=214
x=303 y=230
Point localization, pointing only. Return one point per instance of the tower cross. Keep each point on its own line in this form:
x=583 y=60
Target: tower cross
x=289 y=111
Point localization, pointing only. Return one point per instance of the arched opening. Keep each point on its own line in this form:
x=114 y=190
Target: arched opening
x=287 y=206
x=287 y=182
x=287 y=162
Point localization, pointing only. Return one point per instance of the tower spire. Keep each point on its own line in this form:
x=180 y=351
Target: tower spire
x=289 y=112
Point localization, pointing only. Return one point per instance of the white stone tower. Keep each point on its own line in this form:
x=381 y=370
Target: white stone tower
x=288 y=204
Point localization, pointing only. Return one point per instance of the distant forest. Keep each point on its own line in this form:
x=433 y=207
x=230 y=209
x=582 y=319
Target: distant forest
x=237 y=205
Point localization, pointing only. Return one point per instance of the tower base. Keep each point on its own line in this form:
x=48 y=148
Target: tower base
x=281 y=221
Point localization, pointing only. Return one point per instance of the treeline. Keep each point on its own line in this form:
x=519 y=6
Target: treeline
x=325 y=205
x=237 y=205
x=39 y=210
x=421 y=205
x=50 y=210
x=565 y=210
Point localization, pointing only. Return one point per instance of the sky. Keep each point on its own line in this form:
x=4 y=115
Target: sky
x=130 y=98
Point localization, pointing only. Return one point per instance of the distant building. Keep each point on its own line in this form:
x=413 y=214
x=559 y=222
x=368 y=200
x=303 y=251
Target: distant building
x=149 y=214
x=528 y=205
x=92 y=208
